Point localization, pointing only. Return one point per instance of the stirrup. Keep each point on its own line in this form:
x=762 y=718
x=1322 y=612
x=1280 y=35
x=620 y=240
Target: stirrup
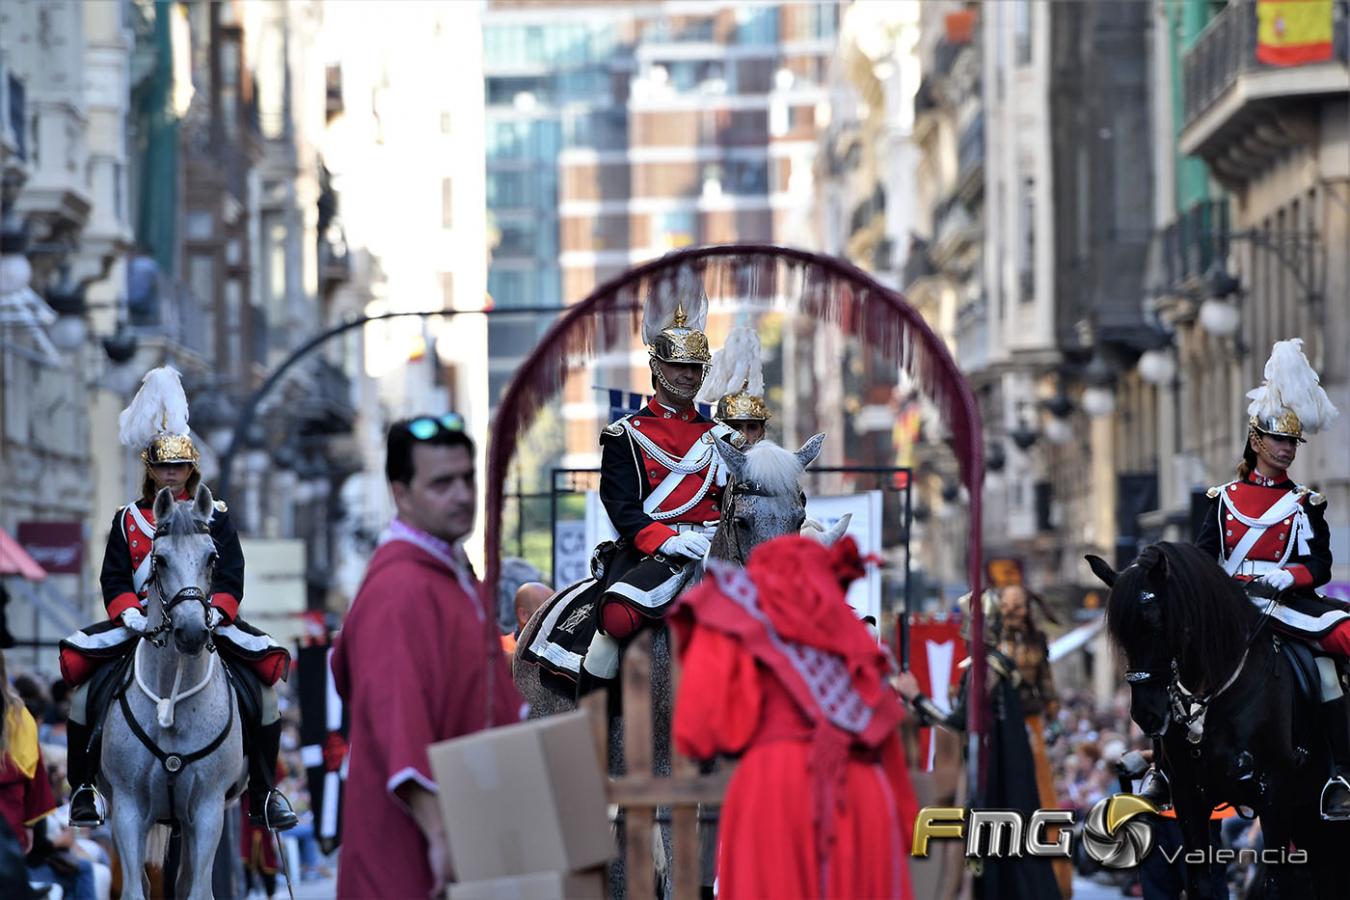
x=1322 y=801
x=267 y=805
x=100 y=814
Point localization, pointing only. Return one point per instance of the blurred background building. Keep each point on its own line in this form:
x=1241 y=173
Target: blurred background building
x=1108 y=211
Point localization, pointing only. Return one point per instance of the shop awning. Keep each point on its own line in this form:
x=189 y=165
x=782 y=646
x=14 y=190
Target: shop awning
x=14 y=560
x=1066 y=643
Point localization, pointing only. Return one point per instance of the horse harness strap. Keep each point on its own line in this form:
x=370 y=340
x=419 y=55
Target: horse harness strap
x=1190 y=709
x=175 y=762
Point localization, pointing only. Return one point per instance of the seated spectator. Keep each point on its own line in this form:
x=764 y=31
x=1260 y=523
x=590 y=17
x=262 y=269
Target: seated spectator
x=25 y=794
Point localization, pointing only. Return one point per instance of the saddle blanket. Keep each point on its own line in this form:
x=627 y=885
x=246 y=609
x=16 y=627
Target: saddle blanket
x=83 y=652
x=1304 y=614
x=650 y=588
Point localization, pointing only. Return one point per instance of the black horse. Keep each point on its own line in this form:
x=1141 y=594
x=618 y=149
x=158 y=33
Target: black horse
x=1218 y=690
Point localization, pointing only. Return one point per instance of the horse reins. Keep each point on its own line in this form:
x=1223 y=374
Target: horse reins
x=1190 y=709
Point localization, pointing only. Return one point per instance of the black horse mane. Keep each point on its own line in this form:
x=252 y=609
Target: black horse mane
x=1206 y=617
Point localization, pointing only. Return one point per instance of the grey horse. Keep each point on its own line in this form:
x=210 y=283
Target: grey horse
x=178 y=755
x=763 y=499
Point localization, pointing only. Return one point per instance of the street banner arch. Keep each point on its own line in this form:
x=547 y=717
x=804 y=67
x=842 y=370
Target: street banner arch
x=769 y=278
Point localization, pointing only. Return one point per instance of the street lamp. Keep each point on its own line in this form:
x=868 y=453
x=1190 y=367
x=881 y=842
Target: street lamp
x=1157 y=366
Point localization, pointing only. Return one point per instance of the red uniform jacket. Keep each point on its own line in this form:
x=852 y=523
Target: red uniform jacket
x=630 y=472
x=1252 y=497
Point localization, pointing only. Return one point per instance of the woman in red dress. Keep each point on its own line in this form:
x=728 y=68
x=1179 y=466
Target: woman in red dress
x=779 y=670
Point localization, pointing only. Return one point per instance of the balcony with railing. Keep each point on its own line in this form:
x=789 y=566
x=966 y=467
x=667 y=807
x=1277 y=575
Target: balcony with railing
x=1194 y=242
x=164 y=307
x=1237 y=90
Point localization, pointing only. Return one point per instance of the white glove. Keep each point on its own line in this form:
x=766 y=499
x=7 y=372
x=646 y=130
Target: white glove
x=1279 y=579
x=690 y=544
x=135 y=620
x=214 y=617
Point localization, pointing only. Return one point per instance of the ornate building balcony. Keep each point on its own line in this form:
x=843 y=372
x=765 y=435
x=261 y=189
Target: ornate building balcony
x=1241 y=113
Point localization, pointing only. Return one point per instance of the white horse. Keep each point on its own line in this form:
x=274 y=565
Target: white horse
x=172 y=738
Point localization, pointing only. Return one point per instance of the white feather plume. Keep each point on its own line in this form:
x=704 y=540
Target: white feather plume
x=1292 y=384
x=159 y=407
x=684 y=291
x=738 y=364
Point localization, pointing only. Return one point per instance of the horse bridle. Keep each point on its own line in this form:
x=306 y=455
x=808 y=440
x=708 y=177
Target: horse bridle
x=1185 y=707
x=736 y=490
x=191 y=593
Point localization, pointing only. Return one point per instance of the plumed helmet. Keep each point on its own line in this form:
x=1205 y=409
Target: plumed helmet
x=736 y=380
x=1291 y=401
x=673 y=320
x=156 y=420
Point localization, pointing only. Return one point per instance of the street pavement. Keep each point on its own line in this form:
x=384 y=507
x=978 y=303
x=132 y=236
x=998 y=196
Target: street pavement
x=1087 y=889
x=326 y=889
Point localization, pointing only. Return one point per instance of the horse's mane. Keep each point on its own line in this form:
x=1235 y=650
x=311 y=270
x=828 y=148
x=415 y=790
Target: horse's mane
x=181 y=521
x=776 y=470
x=1207 y=617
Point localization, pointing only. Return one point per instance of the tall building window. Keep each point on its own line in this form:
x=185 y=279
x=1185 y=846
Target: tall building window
x=1022 y=32
x=756 y=25
x=446 y=122
x=674 y=229
x=1026 y=257
x=447 y=290
x=447 y=204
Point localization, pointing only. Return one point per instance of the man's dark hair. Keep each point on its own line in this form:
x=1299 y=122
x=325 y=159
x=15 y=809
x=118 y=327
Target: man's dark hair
x=398 y=448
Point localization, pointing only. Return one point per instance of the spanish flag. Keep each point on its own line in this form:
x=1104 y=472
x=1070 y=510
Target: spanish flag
x=1293 y=32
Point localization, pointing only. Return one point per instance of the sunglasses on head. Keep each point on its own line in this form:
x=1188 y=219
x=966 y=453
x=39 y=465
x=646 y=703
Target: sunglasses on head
x=424 y=428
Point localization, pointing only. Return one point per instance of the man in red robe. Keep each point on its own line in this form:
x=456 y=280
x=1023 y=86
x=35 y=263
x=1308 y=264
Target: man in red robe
x=417 y=662
x=780 y=672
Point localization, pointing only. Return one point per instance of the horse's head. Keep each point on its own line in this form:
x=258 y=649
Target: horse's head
x=1177 y=616
x=181 y=575
x=1134 y=619
x=763 y=498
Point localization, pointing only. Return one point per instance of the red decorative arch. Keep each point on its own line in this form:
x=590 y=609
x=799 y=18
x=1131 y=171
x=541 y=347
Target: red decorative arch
x=766 y=277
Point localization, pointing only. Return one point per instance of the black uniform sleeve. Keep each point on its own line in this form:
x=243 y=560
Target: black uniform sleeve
x=1318 y=558
x=115 y=578
x=228 y=577
x=1207 y=538
x=621 y=484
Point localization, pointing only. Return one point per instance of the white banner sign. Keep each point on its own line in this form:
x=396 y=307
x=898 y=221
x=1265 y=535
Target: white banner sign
x=865 y=528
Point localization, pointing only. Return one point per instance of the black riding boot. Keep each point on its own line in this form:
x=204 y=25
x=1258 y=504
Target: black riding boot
x=1336 y=793
x=267 y=807
x=1154 y=787
x=81 y=771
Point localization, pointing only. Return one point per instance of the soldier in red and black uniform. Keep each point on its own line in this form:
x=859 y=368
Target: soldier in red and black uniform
x=1263 y=527
x=254 y=661
x=661 y=482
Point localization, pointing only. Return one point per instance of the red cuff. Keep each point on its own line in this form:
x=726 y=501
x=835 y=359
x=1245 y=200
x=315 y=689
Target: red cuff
x=121 y=603
x=227 y=604
x=650 y=539
x=1302 y=577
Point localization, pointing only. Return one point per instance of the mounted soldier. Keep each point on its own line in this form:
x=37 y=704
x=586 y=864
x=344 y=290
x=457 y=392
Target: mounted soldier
x=661 y=482
x=735 y=384
x=93 y=660
x=1271 y=533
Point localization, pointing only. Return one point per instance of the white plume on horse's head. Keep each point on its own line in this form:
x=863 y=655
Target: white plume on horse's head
x=776 y=470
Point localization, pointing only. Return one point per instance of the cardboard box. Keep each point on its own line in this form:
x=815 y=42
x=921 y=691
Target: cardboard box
x=524 y=799
x=538 y=886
